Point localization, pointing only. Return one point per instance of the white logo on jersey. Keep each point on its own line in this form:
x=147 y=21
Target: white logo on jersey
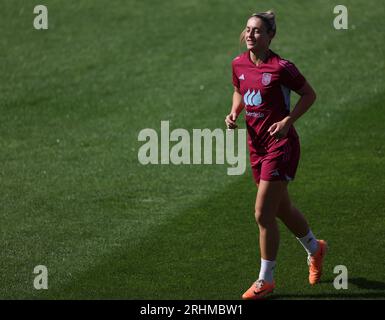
x=274 y=173
x=255 y=114
x=266 y=78
x=252 y=98
x=242 y=77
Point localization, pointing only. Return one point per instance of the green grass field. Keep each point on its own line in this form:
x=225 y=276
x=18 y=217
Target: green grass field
x=74 y=197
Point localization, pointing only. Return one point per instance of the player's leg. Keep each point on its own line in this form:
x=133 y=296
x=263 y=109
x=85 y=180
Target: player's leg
x=267 y=202
x=297 y=224
x=266 y=205
x=292 y=217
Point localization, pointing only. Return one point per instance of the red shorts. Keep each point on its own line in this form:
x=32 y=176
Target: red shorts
x=280 y=164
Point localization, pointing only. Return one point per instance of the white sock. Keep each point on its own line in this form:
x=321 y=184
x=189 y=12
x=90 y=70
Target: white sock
x=267 y=270
x=310 y=243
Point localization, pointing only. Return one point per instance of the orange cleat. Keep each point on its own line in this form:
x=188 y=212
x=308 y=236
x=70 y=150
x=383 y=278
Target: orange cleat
x=258 y=290
x=315 y=262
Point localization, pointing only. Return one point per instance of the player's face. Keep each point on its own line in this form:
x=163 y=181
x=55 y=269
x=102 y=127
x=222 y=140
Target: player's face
x=256 y=35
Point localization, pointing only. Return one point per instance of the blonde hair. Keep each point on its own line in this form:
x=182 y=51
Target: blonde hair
x=268 y=19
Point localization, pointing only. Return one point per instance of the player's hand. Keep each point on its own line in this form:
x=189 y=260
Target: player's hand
x=280 y=129
x=230 y=120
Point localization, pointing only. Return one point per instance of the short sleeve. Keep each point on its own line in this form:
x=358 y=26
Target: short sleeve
x=290 y=76
x=235 y=78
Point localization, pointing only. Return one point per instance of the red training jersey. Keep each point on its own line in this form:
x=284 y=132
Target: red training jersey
x=265 y=93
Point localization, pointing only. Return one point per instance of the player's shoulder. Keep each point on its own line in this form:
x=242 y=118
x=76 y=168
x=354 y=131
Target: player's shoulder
x=284 y=64
x=239 y=59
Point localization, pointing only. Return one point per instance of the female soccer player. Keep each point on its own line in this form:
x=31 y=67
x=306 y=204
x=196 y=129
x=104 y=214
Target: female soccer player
x=262 y=82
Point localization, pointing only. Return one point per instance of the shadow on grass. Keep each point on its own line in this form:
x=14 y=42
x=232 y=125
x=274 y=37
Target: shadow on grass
x=337 y=296
x=360 y=282
x=363 y=283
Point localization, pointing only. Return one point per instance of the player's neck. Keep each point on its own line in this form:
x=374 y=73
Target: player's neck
x=258 y=56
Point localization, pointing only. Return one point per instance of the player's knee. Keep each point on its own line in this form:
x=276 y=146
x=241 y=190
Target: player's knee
x=264 y=218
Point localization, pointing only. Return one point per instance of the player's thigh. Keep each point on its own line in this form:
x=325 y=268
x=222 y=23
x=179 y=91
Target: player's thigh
x=269 y=196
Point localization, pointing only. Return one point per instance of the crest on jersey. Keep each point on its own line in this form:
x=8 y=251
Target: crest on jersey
x=266 y=78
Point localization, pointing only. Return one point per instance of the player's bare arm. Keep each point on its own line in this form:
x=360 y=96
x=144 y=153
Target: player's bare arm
x=236 y=109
